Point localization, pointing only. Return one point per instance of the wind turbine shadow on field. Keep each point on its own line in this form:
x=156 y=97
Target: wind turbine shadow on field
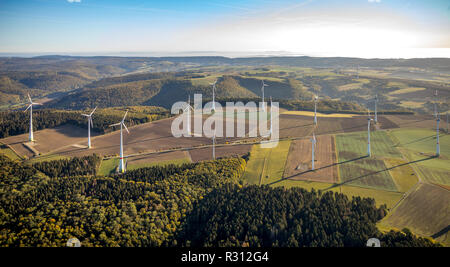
x=353 y=179
x=380 y=171
x=324 y=167
x=400 y=125
x=417 y=140
x=298 y=126
x=343 y=129
x=441 y=232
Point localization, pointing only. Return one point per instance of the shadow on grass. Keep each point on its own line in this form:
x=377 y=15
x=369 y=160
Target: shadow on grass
x=416 y=141
x=376 y=172
x=356 y=178
x=324 y=167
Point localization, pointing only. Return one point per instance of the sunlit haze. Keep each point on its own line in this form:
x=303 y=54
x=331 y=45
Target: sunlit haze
x=362 y=28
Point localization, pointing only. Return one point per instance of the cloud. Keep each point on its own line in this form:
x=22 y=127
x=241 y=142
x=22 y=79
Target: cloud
x=374 y=1
x=74 y=1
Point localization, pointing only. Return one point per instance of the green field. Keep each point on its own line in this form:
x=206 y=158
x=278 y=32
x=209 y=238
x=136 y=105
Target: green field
x=158 y=163
x=8 y=152
x=419 y=147
x=403 y=174
x=357 y=169
x=47 y=158
x=266 y=165
x=108 y=166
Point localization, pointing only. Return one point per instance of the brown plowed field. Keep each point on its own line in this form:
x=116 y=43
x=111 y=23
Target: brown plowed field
x=48 y=140
x=298 y=163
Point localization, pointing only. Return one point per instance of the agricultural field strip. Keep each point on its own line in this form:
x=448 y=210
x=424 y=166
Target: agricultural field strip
x=383 y=174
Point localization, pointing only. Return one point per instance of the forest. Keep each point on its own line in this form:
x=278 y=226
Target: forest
x=76 y=166
x=198 y=204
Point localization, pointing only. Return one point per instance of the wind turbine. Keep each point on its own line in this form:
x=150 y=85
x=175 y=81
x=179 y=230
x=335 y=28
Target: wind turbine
x=213 y=96
x=435 y=103
x=446 y=113
x=271 y=115
x=122 y=125
x=316 y=97
x=369 y=119
x=30 y=106
x=89 y=116
x=262 y=90
x=187 y=110
x=214 y=145
x=438 y=149
x=313 y=146
x=376 y=101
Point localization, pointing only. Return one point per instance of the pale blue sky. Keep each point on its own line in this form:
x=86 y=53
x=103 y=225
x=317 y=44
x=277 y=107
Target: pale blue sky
x=366 y=28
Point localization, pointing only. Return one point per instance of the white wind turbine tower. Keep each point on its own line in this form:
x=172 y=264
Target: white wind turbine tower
x=214 y=145
x=89 y=116
x=187 y=110
x=30 y=106
x=369 y=119
x=316 y=97
x=435 y=103
x=271 y=115
x=313 y=146
x=438 y=149
x=213 y=96
x=122 y=125
x=262 y=90
x=376 y=102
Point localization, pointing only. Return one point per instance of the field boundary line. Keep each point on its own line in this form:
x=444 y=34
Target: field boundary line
x=286 y=161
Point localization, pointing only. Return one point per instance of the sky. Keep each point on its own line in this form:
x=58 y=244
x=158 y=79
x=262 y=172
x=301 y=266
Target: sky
x=358 y=28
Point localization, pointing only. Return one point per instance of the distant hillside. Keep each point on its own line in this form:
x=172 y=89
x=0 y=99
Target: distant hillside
x=41 y=76
x=164 y=89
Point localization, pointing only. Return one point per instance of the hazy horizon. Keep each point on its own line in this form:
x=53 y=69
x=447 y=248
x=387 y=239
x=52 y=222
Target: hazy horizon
x=425 y=53
x=354 y=28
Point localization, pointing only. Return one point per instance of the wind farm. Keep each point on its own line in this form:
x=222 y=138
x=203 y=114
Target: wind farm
x=244 y=125
x=384 y=156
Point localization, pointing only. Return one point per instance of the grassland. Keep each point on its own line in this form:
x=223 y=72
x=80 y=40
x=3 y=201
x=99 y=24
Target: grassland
x=266 y=165
x=108 y=166
x=402 y=173
x=418 y=146
x=357 y=169
x=426 y=211
x=406 y=90
x=8 y=152
x=47 y=158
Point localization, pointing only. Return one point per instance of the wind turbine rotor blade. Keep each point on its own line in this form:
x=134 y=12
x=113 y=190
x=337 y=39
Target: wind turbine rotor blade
x=125 y=127
x=117 y=124
x=86 y=115
x=93 y=111
x=29 y=98
x=33 y=103
x=27 y=108
x=90 y=120
x=124 y=116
